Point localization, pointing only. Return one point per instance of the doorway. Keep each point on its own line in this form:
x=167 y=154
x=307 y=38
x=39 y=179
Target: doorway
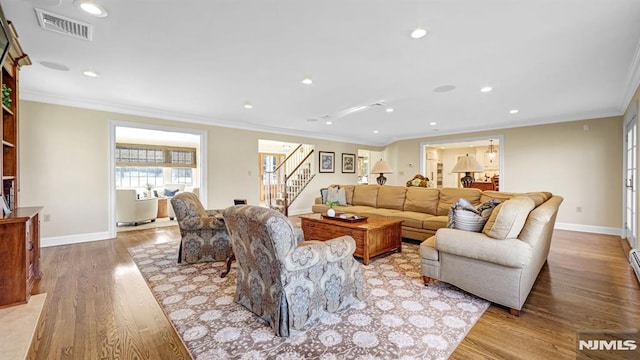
x=199 y=177
x=438 y=157
x=631 y=181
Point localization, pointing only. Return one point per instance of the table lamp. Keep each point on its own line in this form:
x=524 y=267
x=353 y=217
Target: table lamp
x=467 y=165
x=381 y=167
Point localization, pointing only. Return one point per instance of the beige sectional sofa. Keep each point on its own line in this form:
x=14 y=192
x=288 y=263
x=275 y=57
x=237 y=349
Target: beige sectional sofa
x=499 y=264
x=424 y=210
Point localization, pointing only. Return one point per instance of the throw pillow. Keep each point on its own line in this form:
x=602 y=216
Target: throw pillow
x=324 y=193
x=337 y=194
x=508 y=219
x=170 y=193
x=463 y=216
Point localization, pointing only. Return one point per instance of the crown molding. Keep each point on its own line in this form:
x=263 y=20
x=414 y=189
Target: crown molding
x=633 y=80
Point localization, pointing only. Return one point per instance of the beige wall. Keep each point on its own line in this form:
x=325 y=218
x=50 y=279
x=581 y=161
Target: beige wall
x=64 y=154
x=583 y=166
x=64 y=166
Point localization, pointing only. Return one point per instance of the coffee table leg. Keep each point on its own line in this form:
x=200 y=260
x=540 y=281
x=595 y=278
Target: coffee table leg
x=230 y=259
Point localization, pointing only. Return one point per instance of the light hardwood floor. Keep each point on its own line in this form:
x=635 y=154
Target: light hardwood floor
x=99 y=307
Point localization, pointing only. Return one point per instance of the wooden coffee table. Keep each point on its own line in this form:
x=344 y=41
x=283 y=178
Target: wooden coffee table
x=376 y=236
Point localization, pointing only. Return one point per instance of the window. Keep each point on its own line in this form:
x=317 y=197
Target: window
x=128 y=177
x=154 y=155
x=138 y=165
x=181 y=176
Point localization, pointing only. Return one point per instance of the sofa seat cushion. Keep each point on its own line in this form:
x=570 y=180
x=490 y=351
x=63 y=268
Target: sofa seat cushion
x=428 y=249
x=358 y=210
x=319 y=208
x=411 y=218
x=382 y=212
x=422 y=200
x=508 y=218
x=510 y=252
x=435 y=222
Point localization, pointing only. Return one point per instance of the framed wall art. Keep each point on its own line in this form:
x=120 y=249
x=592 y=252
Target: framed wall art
x=327 y=161
x=349 y=163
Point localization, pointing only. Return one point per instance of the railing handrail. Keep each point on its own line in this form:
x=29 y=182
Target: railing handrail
x=287 y=177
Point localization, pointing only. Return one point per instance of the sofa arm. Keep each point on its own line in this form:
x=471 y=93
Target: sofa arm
x=508 y=252
x=318 y=200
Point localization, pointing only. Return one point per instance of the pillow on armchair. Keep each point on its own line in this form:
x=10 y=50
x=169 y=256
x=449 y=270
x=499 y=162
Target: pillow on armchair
x=463 y=216
x=170 y=193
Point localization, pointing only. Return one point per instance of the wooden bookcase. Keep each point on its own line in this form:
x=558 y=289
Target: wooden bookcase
x=10 y=71
x=20 y=229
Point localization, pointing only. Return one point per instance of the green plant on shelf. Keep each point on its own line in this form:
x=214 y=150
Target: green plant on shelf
x=6 y=95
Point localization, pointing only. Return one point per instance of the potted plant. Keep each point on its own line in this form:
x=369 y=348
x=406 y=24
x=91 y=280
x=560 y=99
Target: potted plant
x=149 y=189
x=332 y=212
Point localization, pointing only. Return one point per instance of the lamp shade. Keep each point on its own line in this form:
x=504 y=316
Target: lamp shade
x=467 y=164
x=381 y=167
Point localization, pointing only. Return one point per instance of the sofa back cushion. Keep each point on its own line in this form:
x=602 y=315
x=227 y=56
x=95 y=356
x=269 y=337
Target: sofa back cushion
x=391 y=197
x=500 y=195
x=365 y=195
x=508 y=218
x=448 y=196
x=422 y=200
x=348 y=189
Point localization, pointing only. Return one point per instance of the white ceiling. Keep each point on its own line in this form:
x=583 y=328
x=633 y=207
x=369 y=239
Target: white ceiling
x=202 y=60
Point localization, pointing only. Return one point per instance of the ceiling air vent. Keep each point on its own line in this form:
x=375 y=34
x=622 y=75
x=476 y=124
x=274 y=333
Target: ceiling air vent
x=64 y=25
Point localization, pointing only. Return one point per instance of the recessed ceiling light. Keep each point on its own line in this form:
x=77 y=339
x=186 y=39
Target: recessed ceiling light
x=248 y=106
x=91 y=73
x=307 y=81
x=312 y=120
x=329 y=122
x=418 y=33
x=91 y=7
x=514 y=111
x=486 y=89
x=433 y=123
x=375 y=131
x=54 y=66
x=389 y=109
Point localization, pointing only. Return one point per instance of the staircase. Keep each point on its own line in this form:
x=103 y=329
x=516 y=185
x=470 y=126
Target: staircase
x=292 y=176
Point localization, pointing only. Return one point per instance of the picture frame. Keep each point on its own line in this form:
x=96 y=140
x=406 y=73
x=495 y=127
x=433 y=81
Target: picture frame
x=348 y=163
x=326 y=161
x=5 y=206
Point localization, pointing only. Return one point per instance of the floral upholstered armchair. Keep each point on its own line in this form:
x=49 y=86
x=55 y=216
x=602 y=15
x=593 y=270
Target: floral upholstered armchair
x=204 y=234
x=288 y=283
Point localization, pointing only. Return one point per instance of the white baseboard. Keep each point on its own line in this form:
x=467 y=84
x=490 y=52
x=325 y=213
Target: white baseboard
x=73 y=239
x=300 y=211
x=590 y=229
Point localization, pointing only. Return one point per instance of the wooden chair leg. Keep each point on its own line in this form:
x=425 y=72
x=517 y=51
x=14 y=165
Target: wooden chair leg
x=230 y=259
x=514 y=312
x=426 y=280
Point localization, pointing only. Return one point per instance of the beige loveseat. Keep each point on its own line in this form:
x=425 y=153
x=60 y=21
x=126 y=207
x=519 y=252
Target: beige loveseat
x=499 y=264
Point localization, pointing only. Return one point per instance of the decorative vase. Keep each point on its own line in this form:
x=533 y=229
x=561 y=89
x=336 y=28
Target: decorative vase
x=331 y=212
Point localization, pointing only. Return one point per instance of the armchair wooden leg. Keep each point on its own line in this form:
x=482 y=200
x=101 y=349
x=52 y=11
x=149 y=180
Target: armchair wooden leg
x=426 y=280
x=514 y=312
x=230 y=259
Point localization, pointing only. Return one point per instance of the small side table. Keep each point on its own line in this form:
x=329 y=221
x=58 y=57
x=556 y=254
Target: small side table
x=162 y=208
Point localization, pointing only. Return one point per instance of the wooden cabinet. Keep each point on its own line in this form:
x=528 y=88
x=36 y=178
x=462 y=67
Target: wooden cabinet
x=9 y=109
x=19 y=229
x=19 y=255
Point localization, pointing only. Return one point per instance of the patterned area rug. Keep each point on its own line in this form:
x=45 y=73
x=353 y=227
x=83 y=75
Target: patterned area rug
x=400 y=319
